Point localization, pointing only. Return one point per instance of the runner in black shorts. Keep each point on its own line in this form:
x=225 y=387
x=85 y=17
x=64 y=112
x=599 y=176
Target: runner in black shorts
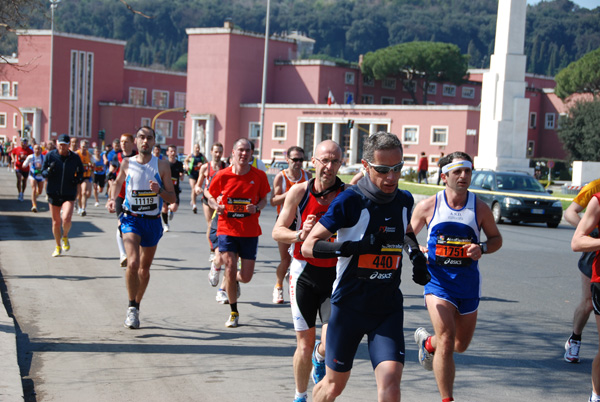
x=311 y=279
x=168 y=210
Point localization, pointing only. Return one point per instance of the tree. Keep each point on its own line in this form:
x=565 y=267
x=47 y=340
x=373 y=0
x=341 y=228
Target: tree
x=428 y=61
x=580 y=131
x=581 y=76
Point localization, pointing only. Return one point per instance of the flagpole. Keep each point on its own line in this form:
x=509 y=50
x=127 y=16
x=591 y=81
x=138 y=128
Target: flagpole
x=264 y=83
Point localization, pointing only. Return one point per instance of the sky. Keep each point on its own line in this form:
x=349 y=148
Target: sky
x=591 y=4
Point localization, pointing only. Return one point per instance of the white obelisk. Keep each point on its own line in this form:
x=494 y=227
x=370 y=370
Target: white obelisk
x=504 y=108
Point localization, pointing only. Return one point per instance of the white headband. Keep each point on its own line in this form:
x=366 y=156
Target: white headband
x=456 y=165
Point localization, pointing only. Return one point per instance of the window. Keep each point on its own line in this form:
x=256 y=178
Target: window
x=432 y=88
x=410 y=159
x=5 y=89
x=409 y=86
x=15 y=120
x=349 y=78
x=532 y=120
x=408 y=102
x=410 y=134
x=137 y=96
x=549 y=123
x=164 y=130
x=367 y=99
x=381 y=127
x=179 y=150
x=81 y=85
x=430 y=103
x=181 y=129
x=160 y=98
x=449 y=90
x=368 y=81
x=15 y=89
x=388 y=100
x=3 y=120
x=530 y=148
x=439 y=135
x=146 y=121
x=348 y=98
x=278 y=154
x=279 y=131
x=254 y=130
x=468 y=92
x=179 y=100
x=389 y=83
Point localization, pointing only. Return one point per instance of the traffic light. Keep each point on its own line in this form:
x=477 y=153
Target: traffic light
x=101 y=134
x=350 y=124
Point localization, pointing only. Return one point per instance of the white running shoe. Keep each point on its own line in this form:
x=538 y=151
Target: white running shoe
x=232 y=322
x=213 y=275
x=170 y=215
x=194 y=209
x=96 y=204
x=572 y=351
x=278 y=295
x=425 y=358
x=165 y=227
x=222 y=297
x=132 y=321
x=123 y=261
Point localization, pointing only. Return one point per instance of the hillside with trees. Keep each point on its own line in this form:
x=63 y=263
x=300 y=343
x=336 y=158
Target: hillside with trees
x=558 y=31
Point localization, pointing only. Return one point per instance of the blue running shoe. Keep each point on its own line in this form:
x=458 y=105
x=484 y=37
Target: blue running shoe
x=318 y=370
x=300 y=399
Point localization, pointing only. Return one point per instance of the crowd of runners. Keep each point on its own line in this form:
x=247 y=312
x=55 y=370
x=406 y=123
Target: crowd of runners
x=341 y=246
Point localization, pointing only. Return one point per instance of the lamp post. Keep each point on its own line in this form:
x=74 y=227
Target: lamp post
x=53 y=5
x=264 y=84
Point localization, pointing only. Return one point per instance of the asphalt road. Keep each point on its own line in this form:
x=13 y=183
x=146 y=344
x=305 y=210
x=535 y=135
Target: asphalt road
x=72 y=345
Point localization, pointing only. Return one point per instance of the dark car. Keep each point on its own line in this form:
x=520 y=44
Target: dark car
x=517 y=197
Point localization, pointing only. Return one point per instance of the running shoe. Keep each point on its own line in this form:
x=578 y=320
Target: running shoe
x=318 y=369
x=64 y=243
x=222 y=297
x=195 y=209
x=123 y=261
x=56 y=252
x=132 y=321
x=572 y=351
x=232 y=322
x=300 y=399
x=425 y=358
x=20 y=198
x=278 y=295
x=213 y=275
x=165 y=227
x=33 y=209
x=96 y=204
x=170 y=215
x=83 y=213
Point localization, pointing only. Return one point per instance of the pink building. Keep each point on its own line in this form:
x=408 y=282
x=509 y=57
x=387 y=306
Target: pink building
x=92 y=90
x=227 y=106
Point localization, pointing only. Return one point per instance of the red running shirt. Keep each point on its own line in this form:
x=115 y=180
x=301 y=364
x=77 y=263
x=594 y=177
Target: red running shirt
x=21 y=154
x=238 y=192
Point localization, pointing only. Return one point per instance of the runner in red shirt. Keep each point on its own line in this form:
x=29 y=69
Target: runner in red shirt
x=238 y=193
x=19 y=155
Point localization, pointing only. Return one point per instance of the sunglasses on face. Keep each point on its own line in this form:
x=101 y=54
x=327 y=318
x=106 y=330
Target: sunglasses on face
x=297 y=159
x=383 y=169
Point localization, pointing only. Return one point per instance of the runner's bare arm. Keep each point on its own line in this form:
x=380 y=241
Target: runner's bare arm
x=281 y=230
x=317 y=233
x=166 y=191
x=490 y=229
x=582 y=241
x=116 y=187
x=278 y=196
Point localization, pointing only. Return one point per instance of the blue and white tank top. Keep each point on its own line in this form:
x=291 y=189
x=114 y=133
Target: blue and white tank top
x=139 y=199
x=449 y=230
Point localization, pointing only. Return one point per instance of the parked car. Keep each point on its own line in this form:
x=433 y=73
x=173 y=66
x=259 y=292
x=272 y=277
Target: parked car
x=351 y=169
x=281 y=165
x=516 y=196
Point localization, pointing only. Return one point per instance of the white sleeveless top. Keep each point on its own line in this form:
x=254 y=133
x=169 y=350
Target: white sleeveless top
x=139 y=199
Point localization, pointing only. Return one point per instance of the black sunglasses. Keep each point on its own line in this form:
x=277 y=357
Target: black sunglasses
x=297 y=159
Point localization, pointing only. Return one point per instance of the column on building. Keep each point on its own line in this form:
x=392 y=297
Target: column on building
x=354 y=136
x=318 y=135
x=335 y=136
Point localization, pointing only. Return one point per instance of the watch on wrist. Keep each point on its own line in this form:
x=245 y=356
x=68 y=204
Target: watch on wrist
x=298 y=233
x=483 y=247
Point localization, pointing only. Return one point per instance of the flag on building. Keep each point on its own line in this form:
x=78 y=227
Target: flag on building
x=350 y=99
x=330 y=98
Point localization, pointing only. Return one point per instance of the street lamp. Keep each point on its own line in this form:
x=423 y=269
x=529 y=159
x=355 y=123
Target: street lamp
x=264 y=83
x=53 y=5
